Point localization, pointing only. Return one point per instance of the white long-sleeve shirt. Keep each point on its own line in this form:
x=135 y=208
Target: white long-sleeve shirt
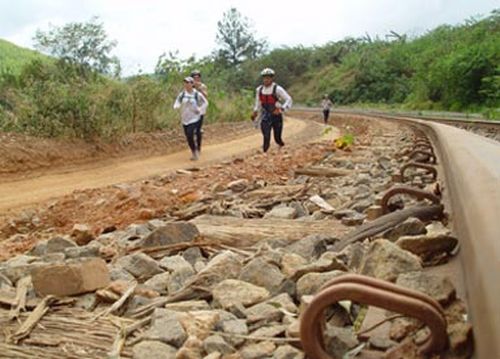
x=284 y=99
x=190 y=108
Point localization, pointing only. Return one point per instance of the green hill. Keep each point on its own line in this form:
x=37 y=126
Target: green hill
x=13 y=57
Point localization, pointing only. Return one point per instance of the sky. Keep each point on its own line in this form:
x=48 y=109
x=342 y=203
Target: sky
x=144 y=29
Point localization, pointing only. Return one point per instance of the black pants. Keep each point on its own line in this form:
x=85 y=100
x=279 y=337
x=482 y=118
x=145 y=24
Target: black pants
x=199 y=132
x=190 y=131
x=275 y=123
x=326 y=114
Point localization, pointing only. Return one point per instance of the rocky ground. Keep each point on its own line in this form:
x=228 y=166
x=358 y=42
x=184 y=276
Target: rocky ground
x=220 y=262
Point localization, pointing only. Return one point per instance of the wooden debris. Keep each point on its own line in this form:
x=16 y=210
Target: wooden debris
x=20 y=300
x=123 y=333
x=316 y=171
x=32 y=320
x=118 y=304
x=390 y=220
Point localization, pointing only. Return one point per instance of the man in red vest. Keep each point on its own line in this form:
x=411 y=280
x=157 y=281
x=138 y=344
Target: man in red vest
x=271 y=100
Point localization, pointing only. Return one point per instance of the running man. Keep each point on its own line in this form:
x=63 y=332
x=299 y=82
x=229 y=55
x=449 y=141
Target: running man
x=272 y=101
x=201 y=87
x=192 y=104
x=327 y=105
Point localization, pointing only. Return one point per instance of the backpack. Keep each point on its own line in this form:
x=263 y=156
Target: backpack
x=275 y=86
x=183 y=93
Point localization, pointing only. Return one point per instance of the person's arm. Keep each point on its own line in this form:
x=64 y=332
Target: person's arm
x=177 y=103
x=257 y=105
x=204 y=102
x=285 y=98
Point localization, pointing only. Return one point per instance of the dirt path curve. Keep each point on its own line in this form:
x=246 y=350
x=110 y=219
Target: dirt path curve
x=25 y=192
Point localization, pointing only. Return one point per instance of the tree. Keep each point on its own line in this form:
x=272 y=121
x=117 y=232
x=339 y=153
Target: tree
x=84 y=44
x=236 y=39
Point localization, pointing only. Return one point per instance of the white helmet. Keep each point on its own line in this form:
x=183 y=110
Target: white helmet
x=267 y=72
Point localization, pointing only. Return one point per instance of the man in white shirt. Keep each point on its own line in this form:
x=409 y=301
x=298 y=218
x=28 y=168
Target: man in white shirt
x=271 y=100
x=191 y=103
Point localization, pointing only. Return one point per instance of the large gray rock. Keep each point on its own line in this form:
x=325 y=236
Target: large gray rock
x=59 y=244
x=181 y=271
x=171 y=233
x=439 y=288
x=312 y=282
x=428 y=245
x=226 y=265
x=263 y=313
x=310 y=247
x=153 y=349
x=231 y=292
x=412 y=226
x=90 y=250
x=263 y=274
x=118 y=273
x=159 y=283
x=287 y=352
x=385 y=260
x=140 y=265
x=166 y=328
x=235 y=326
x=216 y=343
x=338 y=341
x=282 y=213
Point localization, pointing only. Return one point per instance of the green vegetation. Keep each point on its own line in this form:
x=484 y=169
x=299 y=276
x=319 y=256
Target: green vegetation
x=78 y=93
x=13 y=57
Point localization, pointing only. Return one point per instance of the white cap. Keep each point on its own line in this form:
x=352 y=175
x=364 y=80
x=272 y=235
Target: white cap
x=188 y=79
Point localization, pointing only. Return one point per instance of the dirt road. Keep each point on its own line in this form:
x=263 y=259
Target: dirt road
x=21 y=193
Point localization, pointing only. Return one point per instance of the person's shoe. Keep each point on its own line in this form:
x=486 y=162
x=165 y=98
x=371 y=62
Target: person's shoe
x=195 y=156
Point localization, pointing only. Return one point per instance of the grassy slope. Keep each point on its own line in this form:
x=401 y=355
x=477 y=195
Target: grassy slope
x=13 y=57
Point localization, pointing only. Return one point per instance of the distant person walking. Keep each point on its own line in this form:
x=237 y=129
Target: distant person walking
x=271 y=100
x=192 y=104
x=327 y=106
x=200 y=87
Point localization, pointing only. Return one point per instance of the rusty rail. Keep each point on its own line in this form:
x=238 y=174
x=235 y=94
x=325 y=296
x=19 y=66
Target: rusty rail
x=402 y=189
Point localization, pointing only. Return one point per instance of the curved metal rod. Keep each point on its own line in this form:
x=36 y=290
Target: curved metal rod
x=430 y=156
x=382 y=284
x=416 y=192
x=429 y=168
x=310 y=325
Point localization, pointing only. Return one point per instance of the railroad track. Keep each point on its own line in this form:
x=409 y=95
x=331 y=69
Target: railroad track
x=468 y=170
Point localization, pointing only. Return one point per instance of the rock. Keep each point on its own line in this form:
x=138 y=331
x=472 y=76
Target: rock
x=216 y=343
x=326 y=263
x=214 y=355
x=87 y=301
x=385 y=260
x=312 y=282
x=192 y=255
x=282 y=213
x=439 y=288
x=338 y=341
x=166 y=327
x=344 y=213
x=231 y=292
x=354 y=220
x=384 y=163
x=159 y=283
x=235 y=326
x=263 y=274
x=59 y=244
x=199 y=323
x=407 y=350
x=288 y=352
x=412 y=226
x=283 y=301
x=39 y=249
x=174 y=263
x=238 y=186
x=299 y=208
x=429 y=245
x=269 y=331
x=53 y=257
x=82 y=234
x=226 y=265
x=153 y=349
x=373 y=212
x=16 y=272
x=290 y=262
x=381 y=343
x=90 y=250
x=257 y=350
x=4 y=281
x=461 y=338
x=118 y=273
x=171 y=233
x=361 y=206
x=263 y=313
x=71 y=278
x=293 y=329
x=310 y=247
x=181 y=272
x=140 y=265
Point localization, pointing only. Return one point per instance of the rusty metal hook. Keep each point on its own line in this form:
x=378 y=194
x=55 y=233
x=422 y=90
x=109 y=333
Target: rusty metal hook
x=429 y=169
x=402 y=189
x=373 y=292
